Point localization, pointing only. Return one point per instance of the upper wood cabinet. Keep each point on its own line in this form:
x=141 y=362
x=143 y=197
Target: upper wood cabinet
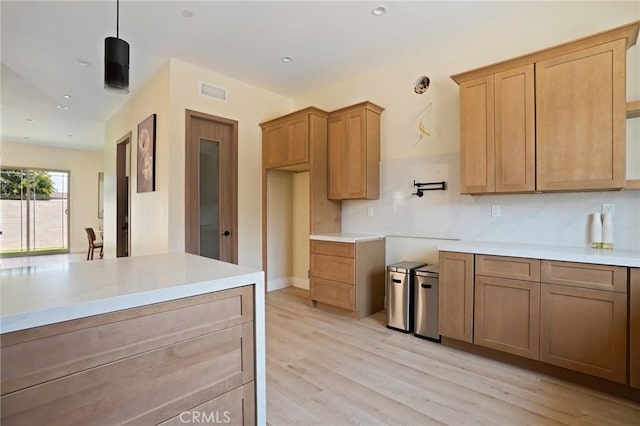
x=497 y=135
x=580 y=111
x=553 y=120
x=285 y=140
x=354 y=152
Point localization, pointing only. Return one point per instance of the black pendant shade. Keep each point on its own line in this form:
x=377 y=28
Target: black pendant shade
x=116 y=65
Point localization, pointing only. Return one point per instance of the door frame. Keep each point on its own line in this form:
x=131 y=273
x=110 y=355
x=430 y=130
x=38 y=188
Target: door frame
x=192 y=189
x=123 y=198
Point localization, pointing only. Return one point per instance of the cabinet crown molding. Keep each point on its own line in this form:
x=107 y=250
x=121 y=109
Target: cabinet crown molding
x=628 y=32
x=300 y=112
x=362 y=105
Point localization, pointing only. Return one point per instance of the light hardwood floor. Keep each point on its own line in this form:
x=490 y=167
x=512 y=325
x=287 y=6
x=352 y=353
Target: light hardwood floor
x=324 y=369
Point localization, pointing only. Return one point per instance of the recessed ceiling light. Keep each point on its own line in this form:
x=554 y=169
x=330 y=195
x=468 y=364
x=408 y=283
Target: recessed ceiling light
x=67 y=96
x=26 y=137
x=187 y=13
x=379 y=11
x=29 y=120
x=70 y=135
x=63 y=107
x=83 y=62
x=286 y=59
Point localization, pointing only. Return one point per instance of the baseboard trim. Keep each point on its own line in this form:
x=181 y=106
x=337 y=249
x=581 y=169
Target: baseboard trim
x=302 y=283
x=278 y=284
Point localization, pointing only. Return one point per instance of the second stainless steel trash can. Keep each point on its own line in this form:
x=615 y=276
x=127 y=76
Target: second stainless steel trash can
x=426 y=302
x=400 y=295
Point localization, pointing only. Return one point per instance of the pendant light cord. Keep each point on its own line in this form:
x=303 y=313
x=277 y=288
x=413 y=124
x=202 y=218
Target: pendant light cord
x=117 y=18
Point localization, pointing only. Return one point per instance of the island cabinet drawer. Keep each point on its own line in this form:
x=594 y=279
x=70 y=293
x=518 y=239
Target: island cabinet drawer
x=234 y=408
x=508 y=267
x=333 y=293
x=333 y=248
x=147 y=388
x=333 y=268
x=41 y=354
x=585 y=275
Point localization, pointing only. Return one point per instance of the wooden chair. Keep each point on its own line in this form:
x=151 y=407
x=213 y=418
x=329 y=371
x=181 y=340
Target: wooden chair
x=91 y=236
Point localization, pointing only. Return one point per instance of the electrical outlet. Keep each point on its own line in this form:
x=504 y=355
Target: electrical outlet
x=370 y=211
x=495 y=211
x=608 y=207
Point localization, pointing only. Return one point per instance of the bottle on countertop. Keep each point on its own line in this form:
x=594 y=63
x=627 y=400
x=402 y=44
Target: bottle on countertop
x=596 y=231
x=607 y=231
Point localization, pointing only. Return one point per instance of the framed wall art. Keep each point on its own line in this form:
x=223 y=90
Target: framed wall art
x=147 y=154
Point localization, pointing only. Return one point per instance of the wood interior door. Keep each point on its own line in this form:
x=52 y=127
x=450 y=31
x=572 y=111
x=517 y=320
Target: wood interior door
x=123 y=188
x=515 y=130
x=580 y=119
x=477 y=155
x=211 y=186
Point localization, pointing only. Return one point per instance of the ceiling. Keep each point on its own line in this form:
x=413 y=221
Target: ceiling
x=42 y=42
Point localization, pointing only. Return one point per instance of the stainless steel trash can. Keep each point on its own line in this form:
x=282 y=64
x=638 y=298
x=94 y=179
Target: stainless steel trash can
x=426 y=303
x=400 y=295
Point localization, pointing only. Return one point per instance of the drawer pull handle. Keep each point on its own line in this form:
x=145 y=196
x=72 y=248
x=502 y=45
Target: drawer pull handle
x=397 y=281
x=425 y=285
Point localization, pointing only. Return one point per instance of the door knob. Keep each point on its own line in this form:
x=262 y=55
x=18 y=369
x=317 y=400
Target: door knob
x=226 y=233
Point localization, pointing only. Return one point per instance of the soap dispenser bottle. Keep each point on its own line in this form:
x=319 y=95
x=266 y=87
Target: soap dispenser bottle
x=596 y=231
x=607 y=231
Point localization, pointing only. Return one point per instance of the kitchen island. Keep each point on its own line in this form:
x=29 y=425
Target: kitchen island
x=148 y=339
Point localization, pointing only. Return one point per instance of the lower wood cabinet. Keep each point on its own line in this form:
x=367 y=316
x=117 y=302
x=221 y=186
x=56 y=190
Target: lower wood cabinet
x=455 y=295
x=634 y=324
x=143 y=365
x=584 y=330
x=350 y=276
x=507 y=315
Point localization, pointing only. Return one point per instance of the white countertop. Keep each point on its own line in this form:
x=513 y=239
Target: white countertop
x=45 y=294
x=617 y=257
x=346 y=238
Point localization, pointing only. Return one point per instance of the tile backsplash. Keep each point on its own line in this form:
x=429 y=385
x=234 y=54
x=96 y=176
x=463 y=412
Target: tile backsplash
x=556 y=218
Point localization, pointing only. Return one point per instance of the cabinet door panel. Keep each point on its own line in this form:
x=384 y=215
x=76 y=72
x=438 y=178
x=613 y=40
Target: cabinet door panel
x=515 y=130
x=355 y=173
x=477 y=136
x=455 y=296
x=580 y=119
x=634 y=324
x=507 y=315
x=333 y=248
x=336 y=154
x=508 y=267
x=584 y=330
x=597 y=277
x=297 y=141
x=273 y=146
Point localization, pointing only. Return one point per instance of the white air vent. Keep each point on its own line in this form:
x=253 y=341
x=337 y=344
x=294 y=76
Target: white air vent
x=211 y=91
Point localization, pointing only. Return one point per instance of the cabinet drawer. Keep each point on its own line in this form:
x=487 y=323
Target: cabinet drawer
x=333 y=268
x=234 y=408
x=333 y=293
x=145 y=389
x=508 y=267
x=333 y=249
x=584 y=330
x=585 y=275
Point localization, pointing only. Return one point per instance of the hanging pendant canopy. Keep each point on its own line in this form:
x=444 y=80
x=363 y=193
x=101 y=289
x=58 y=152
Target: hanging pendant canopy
x=116 y=60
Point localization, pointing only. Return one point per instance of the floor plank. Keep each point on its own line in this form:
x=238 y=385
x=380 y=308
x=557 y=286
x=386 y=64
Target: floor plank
x=326 y=369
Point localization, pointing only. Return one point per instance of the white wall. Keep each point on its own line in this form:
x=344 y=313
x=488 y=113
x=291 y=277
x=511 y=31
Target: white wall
x=559 y=219
x=279 y=229
x=149 y=219
x=84 y=167
x=247 y=104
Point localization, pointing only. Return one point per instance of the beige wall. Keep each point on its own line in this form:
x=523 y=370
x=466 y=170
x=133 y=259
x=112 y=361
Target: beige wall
x=249 y=105
x=300 y=230
x=559 y=219
x=84 y=167
x=149 y=219
x=279 y=229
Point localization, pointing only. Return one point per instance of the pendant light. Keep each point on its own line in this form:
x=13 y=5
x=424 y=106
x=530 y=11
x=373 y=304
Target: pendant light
x=116 y=60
